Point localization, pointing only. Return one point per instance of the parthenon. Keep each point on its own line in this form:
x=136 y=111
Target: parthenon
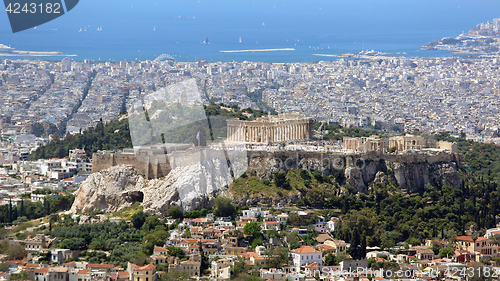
x=272 y=128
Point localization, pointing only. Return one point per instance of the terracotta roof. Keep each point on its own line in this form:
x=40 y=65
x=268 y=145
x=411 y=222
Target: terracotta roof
x=123 y=273
x=16 y=261
x=464 y=238
x=42 y=270
x=304 y=250
x=100 y=265
x=32 y=265
x=146 y=267
x=157 y=248
x=479 y=239
x=249 y=254
x=313 y=264
x=323 y=237
x=83 y=271
x=189 y=240
x=59 y=269
x=326 y=247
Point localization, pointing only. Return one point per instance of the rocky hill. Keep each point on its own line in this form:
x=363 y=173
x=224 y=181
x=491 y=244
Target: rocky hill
x=191 y=187
x=195 y=186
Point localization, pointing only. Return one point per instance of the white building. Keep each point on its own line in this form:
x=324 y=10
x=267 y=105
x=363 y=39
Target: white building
x=255 y=212
x=321 y=225
x=331 y=224
x=306 y=255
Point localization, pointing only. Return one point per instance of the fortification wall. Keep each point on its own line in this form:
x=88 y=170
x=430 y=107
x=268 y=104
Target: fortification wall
x=150 y=166
x=159 y=165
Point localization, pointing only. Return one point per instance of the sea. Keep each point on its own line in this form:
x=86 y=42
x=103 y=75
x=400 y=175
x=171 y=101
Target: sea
x=117 y=30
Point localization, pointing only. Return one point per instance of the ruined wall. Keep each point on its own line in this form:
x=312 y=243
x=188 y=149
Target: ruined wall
x=450 y=146
x=148 y=165
x=410 y=171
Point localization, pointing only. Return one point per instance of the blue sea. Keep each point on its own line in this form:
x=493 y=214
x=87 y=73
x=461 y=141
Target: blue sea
x=143 y=29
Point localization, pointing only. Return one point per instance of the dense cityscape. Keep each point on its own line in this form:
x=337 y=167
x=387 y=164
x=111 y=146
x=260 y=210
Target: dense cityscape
x=370 y=166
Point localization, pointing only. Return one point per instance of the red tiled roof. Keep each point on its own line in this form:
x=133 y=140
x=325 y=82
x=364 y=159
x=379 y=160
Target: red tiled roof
x=100 y=265
x=157 y=248
x=304 y=250
x=189 y=240
x=146 y=267
x=464 y=238
x=83 y=271
x=326 y=247
x=249 y=254
x=42 y=270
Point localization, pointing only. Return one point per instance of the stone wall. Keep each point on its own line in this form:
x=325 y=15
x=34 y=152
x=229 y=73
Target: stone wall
x=148 y=165
x=409 y=170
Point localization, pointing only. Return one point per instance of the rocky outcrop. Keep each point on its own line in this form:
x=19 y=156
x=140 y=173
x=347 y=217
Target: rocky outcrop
x=414 y=176
x=409 y=171
x=190 y=187
x=196 y=184
x=110 y=190
x=381 y=177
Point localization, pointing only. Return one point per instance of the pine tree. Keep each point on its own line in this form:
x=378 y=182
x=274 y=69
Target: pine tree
x=10 y=211
x=21 y=208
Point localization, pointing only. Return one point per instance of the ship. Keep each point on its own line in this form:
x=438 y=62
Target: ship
x=240 y=39
x=5 y=49
x=206 y=42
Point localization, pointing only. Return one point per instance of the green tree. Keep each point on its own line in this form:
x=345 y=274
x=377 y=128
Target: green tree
x=446 y=252
x=175 y=212
x=95 y=245
x=138 y=219
x=223 y=207
x=252 y=228
x=330 y=259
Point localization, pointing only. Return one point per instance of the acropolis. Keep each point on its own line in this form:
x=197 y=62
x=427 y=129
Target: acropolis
x=272 y=128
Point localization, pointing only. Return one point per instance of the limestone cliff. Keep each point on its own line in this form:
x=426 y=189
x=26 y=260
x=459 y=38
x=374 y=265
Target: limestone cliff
x=195 y=185
x=190 y=187
x=409 y=171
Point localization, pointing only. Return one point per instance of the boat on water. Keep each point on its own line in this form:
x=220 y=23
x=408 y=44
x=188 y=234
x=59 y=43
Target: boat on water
x=206 y=42
x=257 y=43
x=263 y=23
x=240 y=39
x=154 y=28
x=5 y=49
x=85 y=29
x=80 y=30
